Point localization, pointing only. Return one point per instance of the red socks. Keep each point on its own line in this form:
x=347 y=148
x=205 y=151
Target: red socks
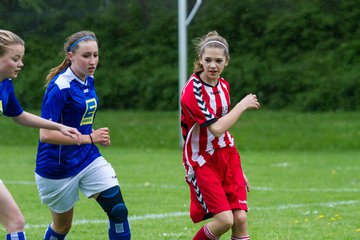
x=205 y=234
x=240 y=238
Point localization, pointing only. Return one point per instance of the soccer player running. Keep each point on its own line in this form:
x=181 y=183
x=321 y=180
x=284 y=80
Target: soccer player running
x=64 y=167
x=213 y=169
x=12 y=50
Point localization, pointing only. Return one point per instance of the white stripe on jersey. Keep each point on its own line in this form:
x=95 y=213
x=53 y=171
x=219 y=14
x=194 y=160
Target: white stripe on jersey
x=224 y=110
x=210 y=92
x=190 y=172
x=195 y=141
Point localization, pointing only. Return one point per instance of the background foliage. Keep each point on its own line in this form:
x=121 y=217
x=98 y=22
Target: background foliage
x=300 y=55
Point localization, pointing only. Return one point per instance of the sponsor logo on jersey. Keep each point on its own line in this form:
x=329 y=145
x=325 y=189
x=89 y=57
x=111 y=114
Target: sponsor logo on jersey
x=1 y=107
x=91 y=106
x=242 y=201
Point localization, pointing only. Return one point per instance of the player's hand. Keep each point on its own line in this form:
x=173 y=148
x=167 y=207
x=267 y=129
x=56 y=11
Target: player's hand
x=250 y=101
x=70 y=132
x=106 y=144
x=101 y=136
x=247 y=183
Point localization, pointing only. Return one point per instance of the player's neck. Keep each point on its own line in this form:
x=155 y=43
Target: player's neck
x=207 y=80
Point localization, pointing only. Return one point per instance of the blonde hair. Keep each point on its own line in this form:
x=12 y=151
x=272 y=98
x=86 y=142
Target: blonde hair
x=211 y=39
x=8 y=38
x=70 y=45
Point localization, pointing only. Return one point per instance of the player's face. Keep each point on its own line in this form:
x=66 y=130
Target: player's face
x=11 y=62
x=213 y=61
x=85 y=59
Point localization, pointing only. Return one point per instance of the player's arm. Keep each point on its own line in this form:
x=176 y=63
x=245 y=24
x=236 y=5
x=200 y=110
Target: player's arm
x=31 y=120
x=226 y=122
x=247 y=183
x=100 y=136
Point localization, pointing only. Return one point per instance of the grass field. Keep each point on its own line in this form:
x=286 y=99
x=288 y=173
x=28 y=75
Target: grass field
x=303 y=169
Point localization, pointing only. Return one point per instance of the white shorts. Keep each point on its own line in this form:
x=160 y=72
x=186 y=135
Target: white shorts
x=1 y=181
x=60 y=195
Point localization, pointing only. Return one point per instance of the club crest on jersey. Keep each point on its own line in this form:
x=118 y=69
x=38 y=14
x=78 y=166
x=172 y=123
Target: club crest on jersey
x=225 y=110
x=1 y=107
x=91 y=106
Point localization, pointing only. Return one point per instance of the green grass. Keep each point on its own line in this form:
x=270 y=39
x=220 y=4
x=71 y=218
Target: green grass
x=303 y=170
x=256 y=130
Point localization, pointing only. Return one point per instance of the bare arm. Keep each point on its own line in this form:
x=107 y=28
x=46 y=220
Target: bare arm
x=226 y=122
x=31 y=120
x=100 y=136
x=247 y=183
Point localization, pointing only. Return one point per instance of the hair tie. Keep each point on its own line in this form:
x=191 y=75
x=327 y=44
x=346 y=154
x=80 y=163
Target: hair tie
x=214 y=41
x=79 y=40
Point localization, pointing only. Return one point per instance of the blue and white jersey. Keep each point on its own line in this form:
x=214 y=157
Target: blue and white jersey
x=9 y=105
x=72 y=102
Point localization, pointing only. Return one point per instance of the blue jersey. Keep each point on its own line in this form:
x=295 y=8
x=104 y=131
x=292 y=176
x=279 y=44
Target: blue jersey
x=9 y=105
x=72 y=102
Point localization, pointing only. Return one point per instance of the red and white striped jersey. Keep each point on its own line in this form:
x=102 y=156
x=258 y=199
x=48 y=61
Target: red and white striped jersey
x=202 y=105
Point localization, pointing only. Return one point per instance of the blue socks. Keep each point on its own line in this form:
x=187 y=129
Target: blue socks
x=51 y=235
x=16 y=236
x=119 y=231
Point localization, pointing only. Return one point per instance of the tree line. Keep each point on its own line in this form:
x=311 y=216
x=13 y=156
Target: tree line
x=299 y=55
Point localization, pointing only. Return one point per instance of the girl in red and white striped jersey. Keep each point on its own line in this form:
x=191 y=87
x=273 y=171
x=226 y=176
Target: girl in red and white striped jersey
x=217 y=183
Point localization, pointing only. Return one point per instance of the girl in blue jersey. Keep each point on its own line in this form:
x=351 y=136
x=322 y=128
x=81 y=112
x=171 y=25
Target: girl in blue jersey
x=12 y=49
x=64 y=167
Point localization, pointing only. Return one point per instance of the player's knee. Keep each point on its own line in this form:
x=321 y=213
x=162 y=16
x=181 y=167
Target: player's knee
x=227 y=223
x=113 y=204
x=119 y=213
x=225 y=220
x=240 y=217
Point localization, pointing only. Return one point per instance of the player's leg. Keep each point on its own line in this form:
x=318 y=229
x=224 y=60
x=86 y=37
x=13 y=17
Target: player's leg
x=239 y=229
x=100 y=182
x=112 y=202
x=237 y=196
x=60 y=225
x=220 y=224
x=60 y=196
x=10 y=215
x=208 y=199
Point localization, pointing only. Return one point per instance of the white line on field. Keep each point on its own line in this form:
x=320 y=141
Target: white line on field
x=306 y=189
x=300 y=205
x=165 y=186
x=177 y=214
x=131 y=219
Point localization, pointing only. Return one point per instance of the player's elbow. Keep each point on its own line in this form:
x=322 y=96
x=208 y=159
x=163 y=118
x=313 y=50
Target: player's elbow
x=216 y=129
x=45 y=136
x=217 y=134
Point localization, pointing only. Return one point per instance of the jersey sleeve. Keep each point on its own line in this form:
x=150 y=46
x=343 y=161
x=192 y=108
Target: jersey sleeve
x=53 y=104
x=192 y=100
x=13 y=107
